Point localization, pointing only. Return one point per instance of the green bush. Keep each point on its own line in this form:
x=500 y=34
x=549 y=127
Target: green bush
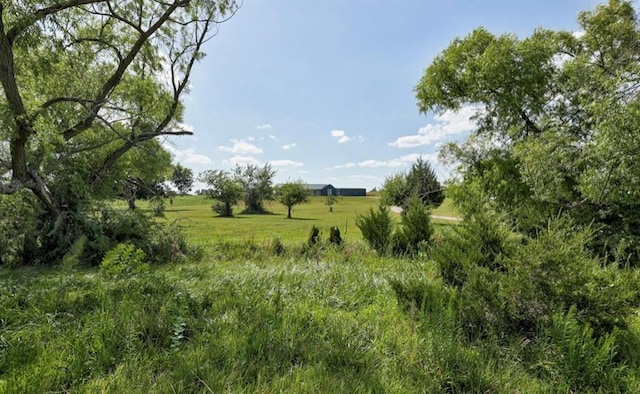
x=512 y=284
x=334 y=236
x=157 y=206
x=314 y=236
x=415 y=230
x=124 y=259
x=377 y=228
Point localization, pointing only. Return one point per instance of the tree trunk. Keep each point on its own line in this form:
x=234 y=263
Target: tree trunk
x=289 y=213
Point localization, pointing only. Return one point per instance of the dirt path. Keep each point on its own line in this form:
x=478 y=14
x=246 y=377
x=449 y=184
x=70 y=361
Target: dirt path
x=399 y=210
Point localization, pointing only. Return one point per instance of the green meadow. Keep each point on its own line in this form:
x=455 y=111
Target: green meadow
x=202 y=225
x=234 y=315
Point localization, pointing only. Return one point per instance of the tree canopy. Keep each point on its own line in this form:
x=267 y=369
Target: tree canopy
x=88 y=88
x=258 y=185
x=223 y=188
x=557 y=116
x=291 y=194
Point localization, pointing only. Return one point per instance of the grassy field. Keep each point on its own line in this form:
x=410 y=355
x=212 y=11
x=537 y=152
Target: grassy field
x=201 y=224
x=237 y=317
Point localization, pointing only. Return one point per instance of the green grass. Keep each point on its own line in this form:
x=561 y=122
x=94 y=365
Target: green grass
x=242 y=319
x=202 y=225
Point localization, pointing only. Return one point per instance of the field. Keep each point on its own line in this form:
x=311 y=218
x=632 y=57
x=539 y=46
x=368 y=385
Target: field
x=201 y=224
x=235 y=316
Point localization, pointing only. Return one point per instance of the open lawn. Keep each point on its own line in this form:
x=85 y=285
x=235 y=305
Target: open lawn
x=202 y=225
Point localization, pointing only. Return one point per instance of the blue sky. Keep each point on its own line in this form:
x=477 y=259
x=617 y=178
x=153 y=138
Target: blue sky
x=323 y=89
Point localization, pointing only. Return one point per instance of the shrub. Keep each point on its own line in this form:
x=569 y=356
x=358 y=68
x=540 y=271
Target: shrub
x=277 y=247
x=415 y=229
x=123 y=259
x=377 y=228
x=314 y=236
x=512 y=284
x=157 y=206
x=334 y=236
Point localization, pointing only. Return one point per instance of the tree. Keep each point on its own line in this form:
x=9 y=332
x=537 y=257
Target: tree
x=85 y=82
x=223 y=188
x=257 y=183
x=421 y=182
x=330 y=202
x=182 y=178
x=291 y=194
x=556 y=124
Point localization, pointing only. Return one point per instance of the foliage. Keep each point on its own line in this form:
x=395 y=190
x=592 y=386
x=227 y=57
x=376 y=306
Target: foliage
x=87 y=88
x=334 y=235
x=124 y=259
x=420 y=182
x=182 y=178
x=224 y=189
x=257 y=183
x=330 y=201
x=415 y=230
x=377 y=228
x=314 y=236
x=512 y=284
x=157 y=206
x=555 y=115
x=291 y=194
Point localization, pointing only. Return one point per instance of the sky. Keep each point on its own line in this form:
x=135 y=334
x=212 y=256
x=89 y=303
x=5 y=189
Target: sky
x=323 y=89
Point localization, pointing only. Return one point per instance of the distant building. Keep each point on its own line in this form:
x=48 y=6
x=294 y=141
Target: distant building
x=316 y=189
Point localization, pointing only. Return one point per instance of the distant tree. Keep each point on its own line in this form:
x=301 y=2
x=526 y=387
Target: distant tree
x=330 y=202
x=421 y=182
x=291 y=194
x=257 y=183
x=182 y=178
x=222 y=188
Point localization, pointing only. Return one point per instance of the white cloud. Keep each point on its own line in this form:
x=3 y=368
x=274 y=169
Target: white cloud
x=402 y=161
x=185 y=127
x=340 y=135
x=285 y=163
x=346 y=165
x=241 y=160
x=264 y=127
x=271 y=136
x=241 y=147
x=449 y=123
x=187 y=156
x=251 y=138
x=289 y=146
x=303 y=172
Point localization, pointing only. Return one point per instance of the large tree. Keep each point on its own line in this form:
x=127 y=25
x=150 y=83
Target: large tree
x=258 y=185
x=558 y=115
x=86 y=81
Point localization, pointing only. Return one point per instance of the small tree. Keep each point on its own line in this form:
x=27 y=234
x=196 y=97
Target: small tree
x=377 y=228
x=182 y=178
x=330 y=202
x=224 y=189
x=257 y=184
x=291 y=194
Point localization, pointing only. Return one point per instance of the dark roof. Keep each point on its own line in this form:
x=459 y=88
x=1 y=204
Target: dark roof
x=317 y=186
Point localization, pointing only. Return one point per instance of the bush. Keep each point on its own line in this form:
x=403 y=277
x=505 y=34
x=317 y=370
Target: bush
x=314 y=236
x=334 y=236
x=377 y=228
x=157 y=206
x=415 y=229
x=277 y=247
x=512 y=284
x=123 y=259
